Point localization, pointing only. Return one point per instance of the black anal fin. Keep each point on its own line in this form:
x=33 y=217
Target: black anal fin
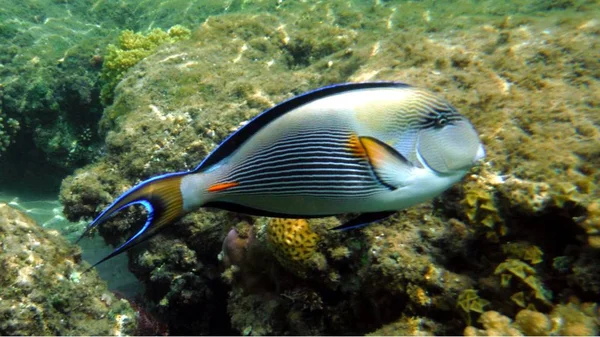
x=364 y=220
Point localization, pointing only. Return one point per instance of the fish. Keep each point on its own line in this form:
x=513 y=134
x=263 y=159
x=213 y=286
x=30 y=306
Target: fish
x=367 y=148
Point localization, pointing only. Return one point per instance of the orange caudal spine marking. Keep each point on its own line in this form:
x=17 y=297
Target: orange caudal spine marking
x=222 y=186
x=356 y=147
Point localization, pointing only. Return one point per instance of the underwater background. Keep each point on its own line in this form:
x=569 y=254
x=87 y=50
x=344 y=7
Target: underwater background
x=96 y=96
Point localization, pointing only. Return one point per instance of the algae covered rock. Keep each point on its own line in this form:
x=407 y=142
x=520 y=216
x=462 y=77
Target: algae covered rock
x=43 y=290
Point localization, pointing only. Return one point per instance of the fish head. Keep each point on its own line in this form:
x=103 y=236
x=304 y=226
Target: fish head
x=448 y=143
x=423 y=127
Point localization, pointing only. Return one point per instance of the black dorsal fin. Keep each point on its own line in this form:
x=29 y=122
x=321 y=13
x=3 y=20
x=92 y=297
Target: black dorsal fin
x=231 y=143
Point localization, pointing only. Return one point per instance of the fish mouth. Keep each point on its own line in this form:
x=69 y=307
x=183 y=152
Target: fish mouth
x=480 y=155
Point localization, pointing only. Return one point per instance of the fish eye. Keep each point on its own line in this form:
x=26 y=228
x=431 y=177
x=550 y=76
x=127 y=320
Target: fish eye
x=441 y=121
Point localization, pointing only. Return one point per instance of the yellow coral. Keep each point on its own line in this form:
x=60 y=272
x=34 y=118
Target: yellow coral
x=565 y=192
x=519 y=299
x=292 y=240
x=516 y=267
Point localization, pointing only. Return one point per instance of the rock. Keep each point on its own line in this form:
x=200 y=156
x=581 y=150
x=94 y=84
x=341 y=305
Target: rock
x=43 y=290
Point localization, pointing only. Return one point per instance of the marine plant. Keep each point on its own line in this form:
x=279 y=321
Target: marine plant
x=479 y=204
x=469 y=301
x=528 y=275
x=524 y=251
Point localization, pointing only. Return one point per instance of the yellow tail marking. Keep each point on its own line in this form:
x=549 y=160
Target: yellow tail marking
x=168 y=191
x=222 y=186
x=356 y=147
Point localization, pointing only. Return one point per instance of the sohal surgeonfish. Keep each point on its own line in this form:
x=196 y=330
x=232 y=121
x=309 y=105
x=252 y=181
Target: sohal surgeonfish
x=370 y=148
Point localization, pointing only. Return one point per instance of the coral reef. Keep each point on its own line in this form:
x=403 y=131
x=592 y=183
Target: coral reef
x=43 y=288
x=519 y=234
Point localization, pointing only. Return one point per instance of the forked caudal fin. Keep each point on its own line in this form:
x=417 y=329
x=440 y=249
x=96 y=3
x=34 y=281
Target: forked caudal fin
x=161 y=196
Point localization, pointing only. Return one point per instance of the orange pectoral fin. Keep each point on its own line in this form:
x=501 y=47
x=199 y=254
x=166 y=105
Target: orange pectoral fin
x=378 y=152
x=391 y=167
x=222 y=186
